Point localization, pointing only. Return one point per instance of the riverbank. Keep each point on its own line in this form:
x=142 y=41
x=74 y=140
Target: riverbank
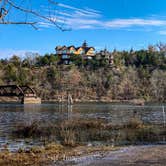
x=77 y=101
x=135 y=101
x=51 y=154
x=88 y=133
x=57 y=155
x=126 y=156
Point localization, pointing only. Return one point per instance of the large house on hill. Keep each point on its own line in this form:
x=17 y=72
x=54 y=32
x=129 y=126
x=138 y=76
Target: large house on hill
x=65 y=52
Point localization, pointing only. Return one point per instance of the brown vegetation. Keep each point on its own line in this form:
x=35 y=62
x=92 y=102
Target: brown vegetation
x=80 y=131
x=136 y=76
x=42 y=156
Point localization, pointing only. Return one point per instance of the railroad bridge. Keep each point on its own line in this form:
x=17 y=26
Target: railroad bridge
x=25 y=93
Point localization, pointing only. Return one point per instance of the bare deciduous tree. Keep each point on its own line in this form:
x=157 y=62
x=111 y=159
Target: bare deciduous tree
x=28 y=14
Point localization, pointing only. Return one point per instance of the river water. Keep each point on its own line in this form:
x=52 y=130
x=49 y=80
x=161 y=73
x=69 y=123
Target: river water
x=14 y=115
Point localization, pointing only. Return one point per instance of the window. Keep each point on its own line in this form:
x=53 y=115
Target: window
x=64 y=51
x=72 y=51
x=65 y=57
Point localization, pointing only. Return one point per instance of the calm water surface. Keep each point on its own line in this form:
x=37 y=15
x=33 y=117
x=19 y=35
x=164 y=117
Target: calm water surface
x=13 y=115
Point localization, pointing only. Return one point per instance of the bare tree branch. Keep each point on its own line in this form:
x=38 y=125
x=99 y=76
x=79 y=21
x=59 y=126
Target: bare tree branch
x=21 y=23
x=5 y=6
x=3 y=11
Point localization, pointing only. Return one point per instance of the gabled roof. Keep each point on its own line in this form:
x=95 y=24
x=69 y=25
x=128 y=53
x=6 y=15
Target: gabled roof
x=64 y=47
x=71 y=47
x=58 y=47
x=61 y=48
x=88 y=48
x=78 y=48
x=84 y=47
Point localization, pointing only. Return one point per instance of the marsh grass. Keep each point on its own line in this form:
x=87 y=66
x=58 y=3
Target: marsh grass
x=34 y=129
x=134 y=123
x=48 y=155
x=74 y=132
x=68 y=136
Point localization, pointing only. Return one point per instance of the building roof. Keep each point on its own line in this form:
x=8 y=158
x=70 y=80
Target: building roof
x=88 y=48
x=71 y=47
x=84 y=47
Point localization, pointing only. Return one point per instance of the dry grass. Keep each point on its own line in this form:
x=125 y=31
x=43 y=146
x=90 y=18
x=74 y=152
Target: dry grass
x=42 y=156
x=78 y=131
x=134 y=123
x=72 y=134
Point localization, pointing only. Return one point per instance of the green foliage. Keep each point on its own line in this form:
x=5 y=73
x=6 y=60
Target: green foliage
x=52 y=74
x=23 y=76
x=15 y=60
x=10 y=73
x=77 y=60
x=46 y=60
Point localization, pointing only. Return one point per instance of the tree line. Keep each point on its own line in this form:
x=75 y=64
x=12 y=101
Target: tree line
x=133 y=75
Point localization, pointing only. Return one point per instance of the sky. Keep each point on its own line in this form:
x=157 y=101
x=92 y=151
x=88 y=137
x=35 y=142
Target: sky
x=111 y=24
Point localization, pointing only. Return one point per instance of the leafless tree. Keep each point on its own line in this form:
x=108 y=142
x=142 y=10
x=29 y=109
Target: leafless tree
x=27 y=14
x=162 y=47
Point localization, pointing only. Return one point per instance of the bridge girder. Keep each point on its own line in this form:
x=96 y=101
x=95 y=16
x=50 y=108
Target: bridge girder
x=18 y=91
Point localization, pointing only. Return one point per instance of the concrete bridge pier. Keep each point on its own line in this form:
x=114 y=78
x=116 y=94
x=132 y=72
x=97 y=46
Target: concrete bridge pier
x=31 y=100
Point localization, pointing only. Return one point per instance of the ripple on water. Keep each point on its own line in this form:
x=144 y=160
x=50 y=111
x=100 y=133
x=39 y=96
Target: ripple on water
x=13 y=115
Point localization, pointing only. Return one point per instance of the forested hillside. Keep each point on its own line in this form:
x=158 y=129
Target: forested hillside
x=133 y=75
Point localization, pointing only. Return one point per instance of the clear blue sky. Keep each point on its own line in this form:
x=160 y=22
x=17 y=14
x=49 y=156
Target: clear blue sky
x=119 y=24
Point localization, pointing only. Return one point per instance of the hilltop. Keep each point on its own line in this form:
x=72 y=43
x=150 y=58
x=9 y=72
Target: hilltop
x=132 y=75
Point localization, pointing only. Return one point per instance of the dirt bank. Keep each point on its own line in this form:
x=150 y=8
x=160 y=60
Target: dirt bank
x=58 y=155
x=127 y=156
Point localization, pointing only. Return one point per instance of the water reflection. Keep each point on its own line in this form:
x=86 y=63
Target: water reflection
x=88 y=122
